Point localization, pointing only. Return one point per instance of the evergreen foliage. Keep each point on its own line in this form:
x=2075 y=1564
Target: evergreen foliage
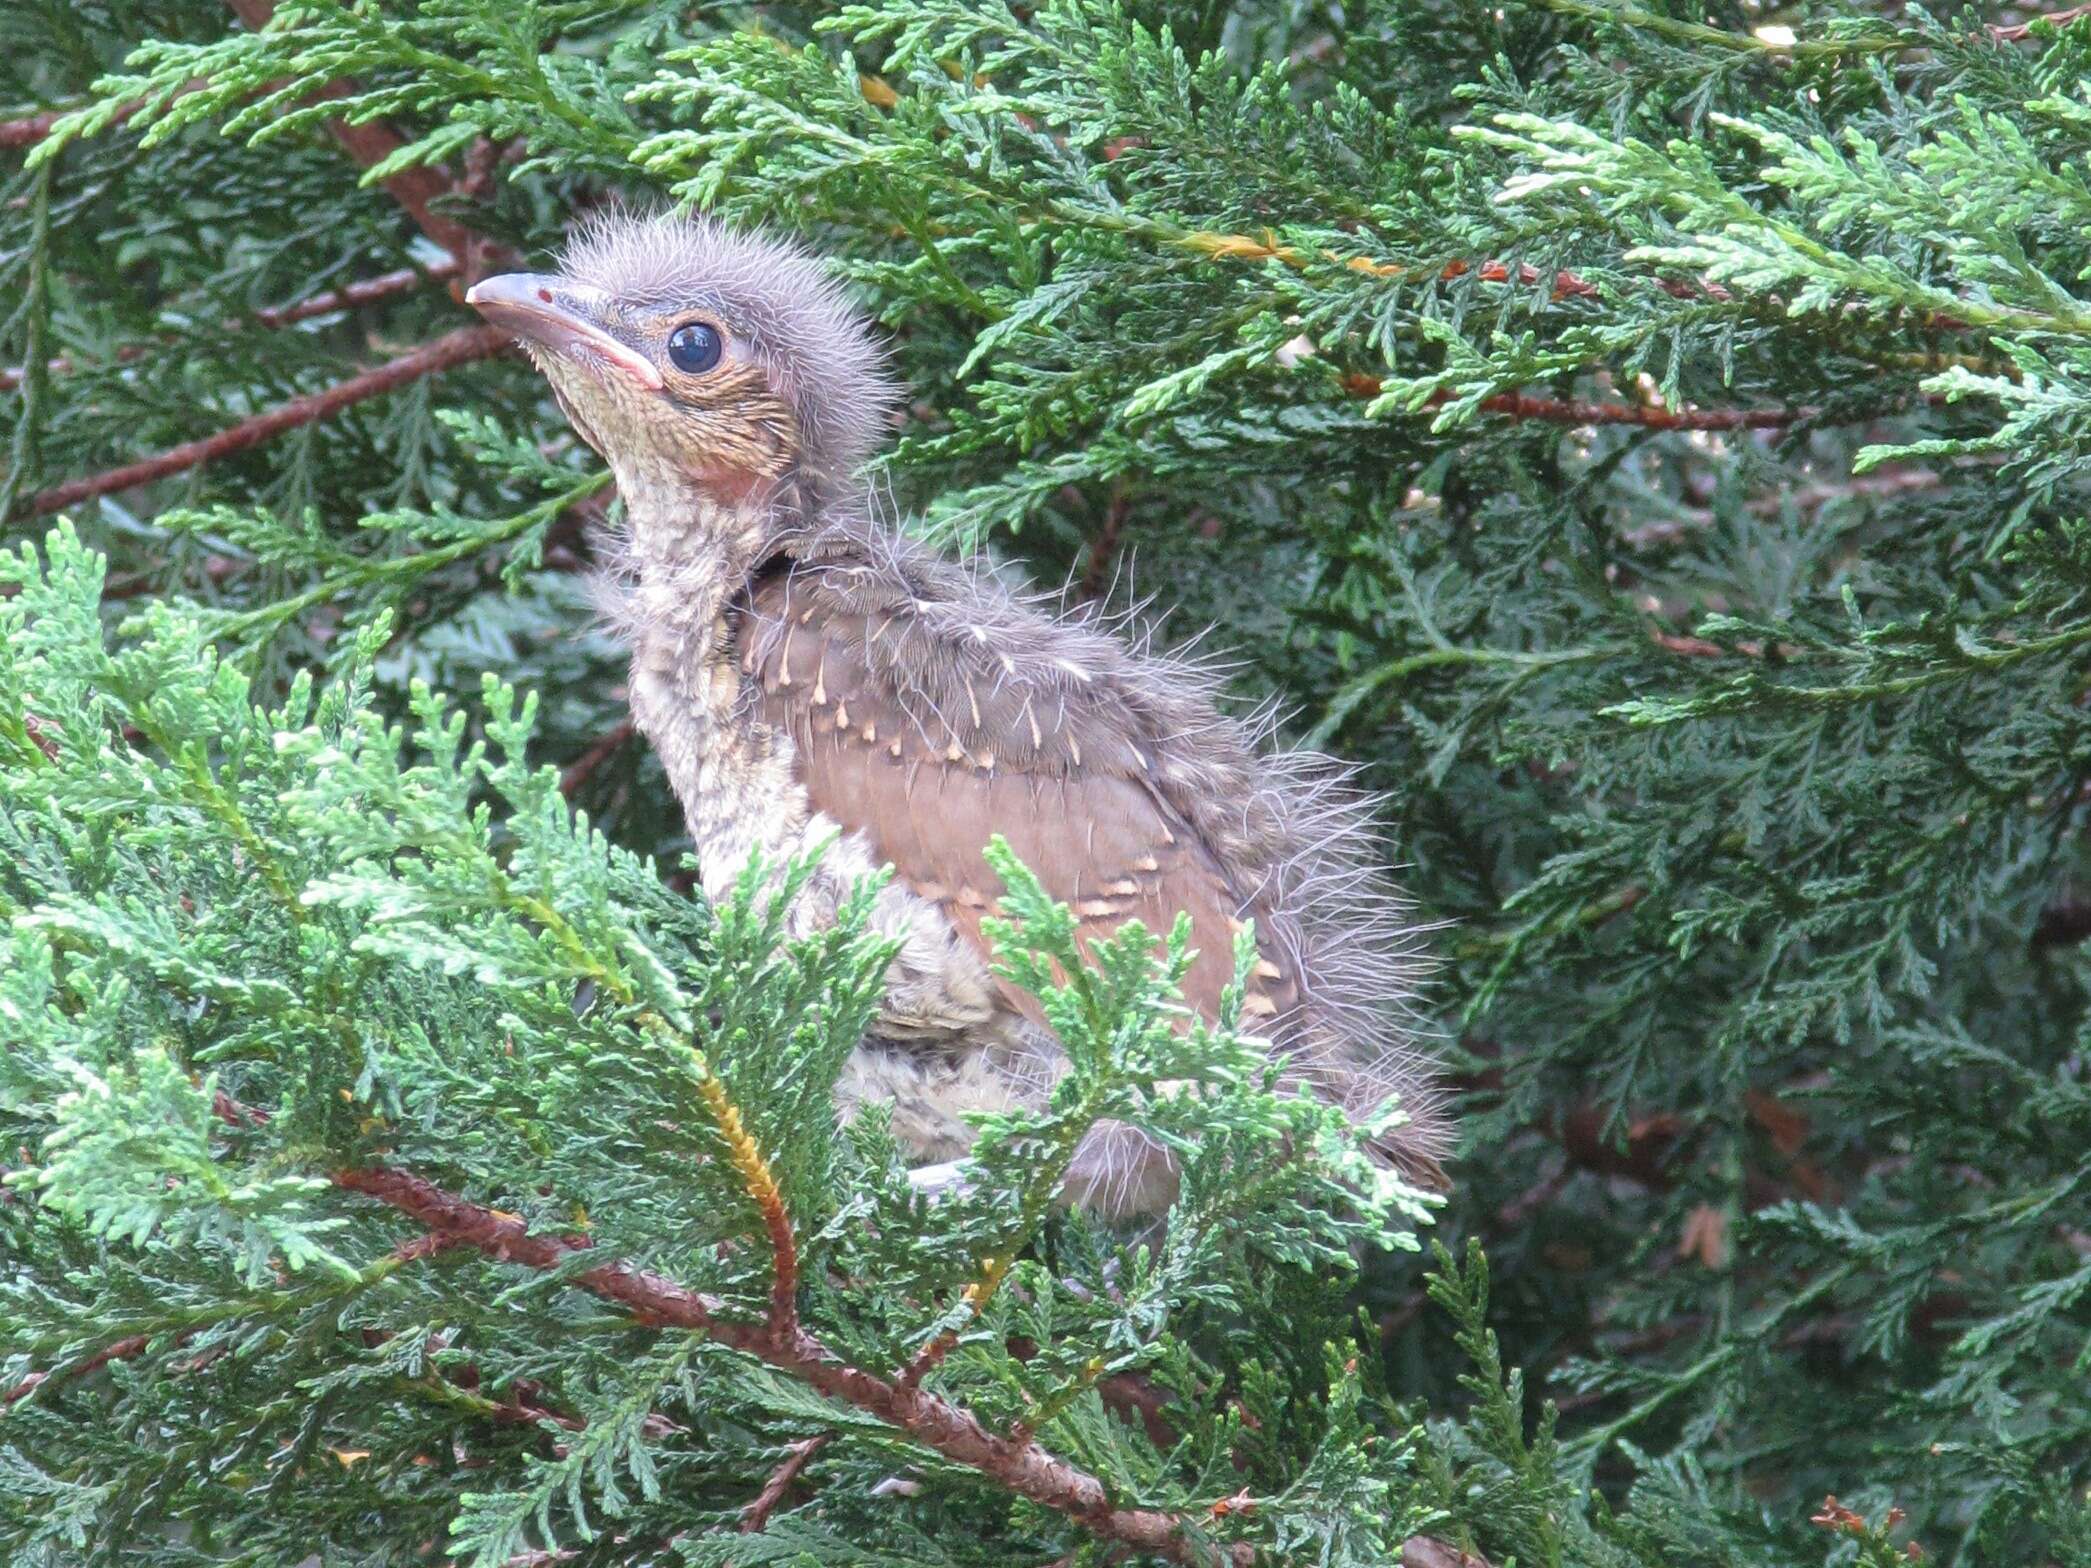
x=1653 y=438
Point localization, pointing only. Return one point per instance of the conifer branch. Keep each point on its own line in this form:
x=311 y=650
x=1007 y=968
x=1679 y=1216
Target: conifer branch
x=583 y=767
x=349 y=296
x=757 y=1514
x=1516 y=405
x=28 y=130
x=370 y=143
x=1559 y=411
x=122 y=1350
x=1023 y=1468
x=2020 y=31
x=1563 y=284
x=461 y=347
x=761 y=1187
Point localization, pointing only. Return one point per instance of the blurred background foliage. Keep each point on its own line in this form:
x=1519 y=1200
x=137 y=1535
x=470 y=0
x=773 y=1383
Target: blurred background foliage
x=1652 y=440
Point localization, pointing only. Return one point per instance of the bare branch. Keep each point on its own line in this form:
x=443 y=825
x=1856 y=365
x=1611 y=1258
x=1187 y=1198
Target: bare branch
x=757 y=1514
x=2024 y=30
x=455 y=348
x=122 y=1350
x=30 y=129
x=1023 y=1468
x=579 y=770
x=347 y=297
x=415 y=189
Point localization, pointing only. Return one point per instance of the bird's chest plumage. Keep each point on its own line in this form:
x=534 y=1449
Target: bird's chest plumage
x=945 y=1046
x=732 y=773
x=742 y=789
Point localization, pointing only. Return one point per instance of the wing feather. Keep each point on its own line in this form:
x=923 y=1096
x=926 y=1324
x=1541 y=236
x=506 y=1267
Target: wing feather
x=928 y=743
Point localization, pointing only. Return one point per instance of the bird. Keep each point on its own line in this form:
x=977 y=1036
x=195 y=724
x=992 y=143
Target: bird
x=808 y=672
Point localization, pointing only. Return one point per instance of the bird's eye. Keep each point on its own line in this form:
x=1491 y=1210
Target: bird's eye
x=694 y=347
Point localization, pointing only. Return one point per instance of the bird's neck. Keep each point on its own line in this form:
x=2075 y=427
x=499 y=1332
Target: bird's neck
x=689 y=551
x=689 y=556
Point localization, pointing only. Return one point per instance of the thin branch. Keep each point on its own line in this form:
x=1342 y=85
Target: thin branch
x=1023 y=1468
x=1562 y=284
x=757 y=1514
x=348 y=297
x=1105 y=549
x=32 y=128
x=1559 y=411
x=415 y=189
x=122 y=1350
x=1423 y=1551
x=579 y=770
x=456 y=348
x=2024 y=30
x=42 y=733
x=763 y=1191
x=12 y=376
x=351 y=295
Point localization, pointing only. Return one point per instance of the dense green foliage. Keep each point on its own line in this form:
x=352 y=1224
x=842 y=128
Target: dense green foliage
x=1746 y=760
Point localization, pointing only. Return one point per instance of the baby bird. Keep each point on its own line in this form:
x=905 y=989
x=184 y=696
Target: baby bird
x=802 y=668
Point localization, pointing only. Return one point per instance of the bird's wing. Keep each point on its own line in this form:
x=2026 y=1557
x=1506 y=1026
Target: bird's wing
x=928 y=741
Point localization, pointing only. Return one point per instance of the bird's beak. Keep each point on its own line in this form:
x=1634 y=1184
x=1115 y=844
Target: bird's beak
x=559 y=315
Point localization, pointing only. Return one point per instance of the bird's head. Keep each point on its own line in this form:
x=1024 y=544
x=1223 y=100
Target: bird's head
x=697 y=358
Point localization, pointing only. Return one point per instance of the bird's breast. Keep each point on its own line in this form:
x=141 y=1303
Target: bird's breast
x=732 y=773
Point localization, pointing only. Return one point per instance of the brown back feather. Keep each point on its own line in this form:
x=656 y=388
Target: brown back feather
x=931 y=710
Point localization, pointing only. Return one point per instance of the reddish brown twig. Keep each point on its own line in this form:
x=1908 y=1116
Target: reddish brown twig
x=1558 y=411
x=371 y=142
x=234 y=1114
x=425 y=1245
x=2024 y=30
x=519 y=1409
x=122 y=1350
x=1566 y=285
x=1106 y=545
x=1423 y=1551
x=1688 y=647
x=347 y=297
x=12 y=376
x=42 y=735
x=1023 y=1468
x=579 y=770
x=746 y=1157
x=977 y=1295
x=757 y=1514
x=455 y=348
x=415 y=189
x=29 y=129
x=351 y=295
x=1650 y=1141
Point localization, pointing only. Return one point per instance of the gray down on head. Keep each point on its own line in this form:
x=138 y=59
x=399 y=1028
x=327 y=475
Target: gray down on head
x=802 y=667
